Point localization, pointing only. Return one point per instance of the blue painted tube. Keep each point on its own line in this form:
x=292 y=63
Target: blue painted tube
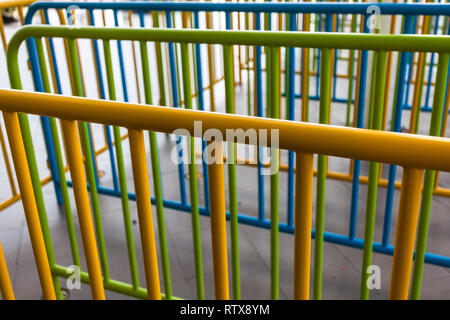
x=265 y=224
x=430 y=74
x=37 y=80
x=173 y=78
x=333 y=8
x=259 y=107
x=201 y=104
x=359 y=124
x=396 y=128
x=335 y=63
x=410 y=67
x=291 y=108
x=112 y=159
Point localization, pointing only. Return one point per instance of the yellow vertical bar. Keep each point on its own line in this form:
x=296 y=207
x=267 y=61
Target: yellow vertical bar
x=7 y=163
x=303 y=221
x=75 y=160
x=29 y=203
x=144 y=207
x=405 y=234
x=5 y=281
x=2 y=33
x=218 y=222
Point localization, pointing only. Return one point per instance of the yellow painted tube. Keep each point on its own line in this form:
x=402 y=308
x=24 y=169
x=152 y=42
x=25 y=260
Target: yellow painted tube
x=70 y=134
x=2 y=33
x=29 y=203
x=5 y=282
x=303 y=223
x=12 y=183
x=144 y=208
x=218 y=222
x=405 y=235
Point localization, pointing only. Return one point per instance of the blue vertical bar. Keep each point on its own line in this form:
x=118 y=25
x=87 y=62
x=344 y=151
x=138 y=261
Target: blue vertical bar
x=430 y=74
x=259 y=108
x=69 y=21
x=37 y=80
x=335 y=61
x=198 y=61
x=103 y=96
x=396 y=128
x=173 y=78
x=359 y=124
x=291 y=109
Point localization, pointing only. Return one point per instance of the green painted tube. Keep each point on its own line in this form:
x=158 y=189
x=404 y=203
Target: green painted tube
x=274 y=88
x=37 y=188
x=372 y=91
x=377 y=119
x=86 y=146
x=59 y=161
x=325 y=74
x=427 y=191
x=231 y=160
x=156 y=177
x=160 y=64
x=112 y=285
x=185 y=66
x=350 y=74
x=121 y=169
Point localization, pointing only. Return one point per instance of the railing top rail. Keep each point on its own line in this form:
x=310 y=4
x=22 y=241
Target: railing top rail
x=419 y=43
x=4 y=4
x=415 y=151
x=324 y=7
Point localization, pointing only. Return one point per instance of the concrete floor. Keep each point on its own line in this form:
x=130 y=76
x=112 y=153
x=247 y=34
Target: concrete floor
x=341 y=267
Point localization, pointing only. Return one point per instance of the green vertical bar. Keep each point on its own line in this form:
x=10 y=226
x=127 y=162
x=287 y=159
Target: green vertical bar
x=231 y=160
x=160 y=64
x=193 y=176
x=377 y=107
x=122 y=173
x=59 y=160
x=156 y=177
x=84 y=137
x=427 y=191
x=325 y=75
x=274 y=88
x=350 y=74
x=37 y=188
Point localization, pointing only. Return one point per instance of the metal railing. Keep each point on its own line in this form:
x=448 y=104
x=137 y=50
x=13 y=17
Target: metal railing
x=412 y=156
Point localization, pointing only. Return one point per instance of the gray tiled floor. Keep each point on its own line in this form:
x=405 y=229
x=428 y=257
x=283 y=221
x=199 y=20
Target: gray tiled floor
x=341 y=267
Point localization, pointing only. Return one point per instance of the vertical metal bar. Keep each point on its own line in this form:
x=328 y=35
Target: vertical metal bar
x=396 y=124
x=174 y=81
x=427 y=192
x=201 y=104
x=77 y=172
x=290 y=72
x=102 y=95
x=325 y=74
x=303 y=223
x=89 y=163
x=377 y=118
x=218 y=222
x=59 y=166
x=26 y=183
x=143 y=202
x=5 y=282
x=274 y=88
x=193 y=176
x=121 y=170
x=405 y=236
x=156 y=176
x=231 y=160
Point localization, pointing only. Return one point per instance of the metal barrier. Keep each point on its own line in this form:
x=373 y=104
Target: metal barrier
x=414 y=16
x=413 y=152
x=408 y=154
